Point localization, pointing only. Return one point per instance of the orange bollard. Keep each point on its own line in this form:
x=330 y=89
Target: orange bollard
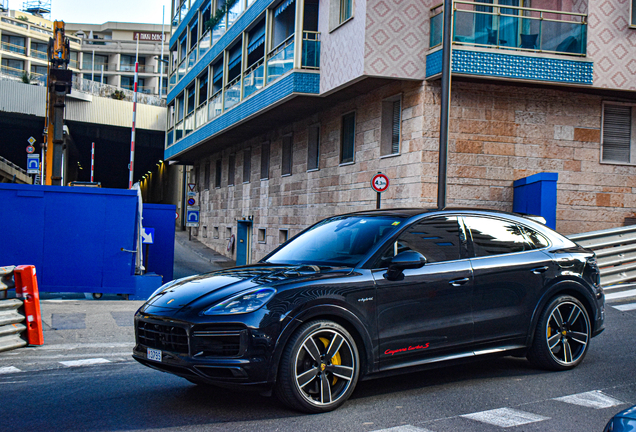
x=26 y=288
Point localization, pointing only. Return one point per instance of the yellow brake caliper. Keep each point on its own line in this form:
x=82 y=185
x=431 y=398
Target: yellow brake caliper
x=334 y=360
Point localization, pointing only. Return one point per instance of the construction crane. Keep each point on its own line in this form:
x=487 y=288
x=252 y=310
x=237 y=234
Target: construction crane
x=58 y=83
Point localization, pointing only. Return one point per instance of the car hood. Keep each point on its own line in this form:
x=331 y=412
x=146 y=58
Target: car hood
x=211 y=288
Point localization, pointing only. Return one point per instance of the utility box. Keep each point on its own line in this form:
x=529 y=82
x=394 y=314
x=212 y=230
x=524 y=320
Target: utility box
x=537 y=195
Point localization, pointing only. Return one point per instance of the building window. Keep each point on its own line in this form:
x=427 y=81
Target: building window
x=127 y=63
x=286 y=162
x=217 y=179
x=191 y=99
x=346 y=10
x=228 y=232
x=216 y=232
x=632 y=22
x=206 y=183
x=313 y=148
x=390 y=126
x=230 y=170
x=283 y=235
x=265 y=161
x=247 y=165
x=194 y=35
x=262 y=235
x=203 y=88
x=618 y=138
x=347 y=138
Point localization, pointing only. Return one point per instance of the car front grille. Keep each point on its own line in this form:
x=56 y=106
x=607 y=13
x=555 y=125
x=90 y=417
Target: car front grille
x=217 y=341
x=162 y=336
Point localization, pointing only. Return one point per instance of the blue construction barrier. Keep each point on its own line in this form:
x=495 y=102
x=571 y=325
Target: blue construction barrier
x=74 y=236
x=537 y=195
x=158 y=219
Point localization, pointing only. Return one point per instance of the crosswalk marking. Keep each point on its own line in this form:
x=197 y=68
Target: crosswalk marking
x=404 y=428
x=505 y=417
x=592 y=399
x=622 y=294
x=84 y=362
x=9 y=369
x=625 y=307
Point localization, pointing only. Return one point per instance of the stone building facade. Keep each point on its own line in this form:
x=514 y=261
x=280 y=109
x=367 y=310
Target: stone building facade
x=516 y=110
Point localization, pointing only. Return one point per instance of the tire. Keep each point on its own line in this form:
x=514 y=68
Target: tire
x=562 y=335
x=308 y=381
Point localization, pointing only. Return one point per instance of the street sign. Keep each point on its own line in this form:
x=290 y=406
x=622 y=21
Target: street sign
x=191 y=186
x=191 y=202
x=30 y=149
x=176 y=216
x=147 y=235
x=192 y=216
x=380 y=183
x=192 y=194
x=31 y=140
x=33 y=164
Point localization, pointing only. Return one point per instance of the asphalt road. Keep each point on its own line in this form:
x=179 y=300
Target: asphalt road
x=116 y=393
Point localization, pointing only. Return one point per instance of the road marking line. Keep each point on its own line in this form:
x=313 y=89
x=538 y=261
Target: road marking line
x=63 y=356
x=626 y=307
x=66 y=347
x=505 y=417
x=592 y=399
x=621 y=294
x=405 y=428
x=84 y=362
x=9 y=369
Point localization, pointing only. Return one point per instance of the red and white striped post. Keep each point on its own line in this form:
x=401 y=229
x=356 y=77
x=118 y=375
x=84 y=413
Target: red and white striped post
x=92 y=161
x=132 y=139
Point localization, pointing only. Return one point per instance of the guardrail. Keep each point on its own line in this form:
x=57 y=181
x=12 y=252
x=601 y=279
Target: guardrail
x=20 y=318
x=615 y=252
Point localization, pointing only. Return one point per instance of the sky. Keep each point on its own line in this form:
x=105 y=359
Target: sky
x=98 y=12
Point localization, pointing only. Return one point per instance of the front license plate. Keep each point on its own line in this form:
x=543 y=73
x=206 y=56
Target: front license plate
x=154 y=354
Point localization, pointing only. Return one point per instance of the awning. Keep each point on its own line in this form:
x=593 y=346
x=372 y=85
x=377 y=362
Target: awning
x=282 y=7
x=257 y=37
x=235 y=56
x=218 y=74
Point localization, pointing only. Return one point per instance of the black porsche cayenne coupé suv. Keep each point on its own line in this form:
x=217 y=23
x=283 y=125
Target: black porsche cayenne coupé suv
x=365 y=294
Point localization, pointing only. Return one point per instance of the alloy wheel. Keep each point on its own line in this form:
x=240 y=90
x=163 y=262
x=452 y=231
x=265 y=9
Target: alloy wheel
x=324 y=367
x=567 y=333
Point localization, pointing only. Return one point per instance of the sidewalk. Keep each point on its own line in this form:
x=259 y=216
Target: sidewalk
x=217 y=260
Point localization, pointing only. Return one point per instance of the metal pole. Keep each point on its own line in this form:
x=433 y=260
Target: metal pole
x=102 y=80
x=184 y=198
x=445 y=105
x=377 y=202
x=92 y=162
x=93 y=67
x=163 y=36
x=132 y=138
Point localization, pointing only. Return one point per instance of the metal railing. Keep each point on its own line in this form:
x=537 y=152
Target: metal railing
x=18 y=49
x=513 y=28
x=311 y=50
x=109 y=91
x=615 y=252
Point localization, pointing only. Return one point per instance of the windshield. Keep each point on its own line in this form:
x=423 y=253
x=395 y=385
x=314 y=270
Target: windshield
x=339 y=241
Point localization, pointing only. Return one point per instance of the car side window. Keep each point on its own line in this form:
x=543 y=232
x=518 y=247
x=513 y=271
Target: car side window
x=438 y=239
x=536 y=240
x=495 y=236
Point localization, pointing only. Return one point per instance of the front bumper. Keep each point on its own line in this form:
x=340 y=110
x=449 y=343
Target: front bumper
x=215 y=353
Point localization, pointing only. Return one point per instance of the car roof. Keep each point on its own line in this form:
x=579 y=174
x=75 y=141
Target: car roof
x=411 y=212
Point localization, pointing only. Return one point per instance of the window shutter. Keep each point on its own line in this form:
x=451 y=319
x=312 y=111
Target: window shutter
x=617 y=125
x=395 y=139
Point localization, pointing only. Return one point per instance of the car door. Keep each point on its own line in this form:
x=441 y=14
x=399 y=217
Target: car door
x=510 y=270
x=427 y=312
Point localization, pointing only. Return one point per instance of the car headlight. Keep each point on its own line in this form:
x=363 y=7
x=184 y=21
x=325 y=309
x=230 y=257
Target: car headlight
x=244 y=302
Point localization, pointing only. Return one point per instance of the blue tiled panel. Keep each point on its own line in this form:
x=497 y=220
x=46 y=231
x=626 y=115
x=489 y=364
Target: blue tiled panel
x=184 y=23
x=296 y=82
x=522 y=67
x=514 y=66
x=232 y=33
x=434 y=63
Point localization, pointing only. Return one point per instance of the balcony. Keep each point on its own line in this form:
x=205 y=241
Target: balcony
x=88 y=66
x=17 y=49
x=513 y=42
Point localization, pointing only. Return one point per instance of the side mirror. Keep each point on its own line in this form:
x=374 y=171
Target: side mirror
x=404 y=261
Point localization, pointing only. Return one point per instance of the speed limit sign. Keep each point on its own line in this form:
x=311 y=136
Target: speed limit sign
x=380 y=183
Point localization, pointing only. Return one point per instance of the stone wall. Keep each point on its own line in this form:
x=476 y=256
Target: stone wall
x=499 y=133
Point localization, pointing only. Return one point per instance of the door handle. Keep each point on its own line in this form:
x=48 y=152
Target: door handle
x=459 y=282
x=539 y=270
